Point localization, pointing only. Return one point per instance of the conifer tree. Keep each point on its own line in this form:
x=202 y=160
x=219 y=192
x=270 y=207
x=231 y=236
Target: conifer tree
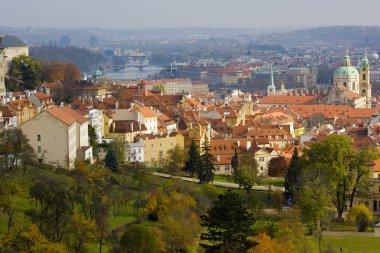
x=292 y=184
x=206 y=166
x=235 y=164
x=192 y=164
x=229 y=225
x=110 y=160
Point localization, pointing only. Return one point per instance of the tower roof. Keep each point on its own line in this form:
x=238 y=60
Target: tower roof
x=10 y=41
x=364 y=61
x=346 y=59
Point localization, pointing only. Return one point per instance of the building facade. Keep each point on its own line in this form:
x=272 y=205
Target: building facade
x=58 y=136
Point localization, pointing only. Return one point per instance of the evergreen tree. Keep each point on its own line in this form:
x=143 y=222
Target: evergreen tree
x=93 y=138
x=206 y=167
x=235 y=164
x=192 y=164
x=110 y=160
x=229 y=224
x=292 y=183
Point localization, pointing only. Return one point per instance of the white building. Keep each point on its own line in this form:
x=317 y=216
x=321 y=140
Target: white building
x=143 y=115
x=59 y=136
x=263 y=156
x=135 y=152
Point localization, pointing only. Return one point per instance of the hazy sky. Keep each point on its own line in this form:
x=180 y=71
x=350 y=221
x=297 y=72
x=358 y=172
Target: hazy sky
x=188 y=13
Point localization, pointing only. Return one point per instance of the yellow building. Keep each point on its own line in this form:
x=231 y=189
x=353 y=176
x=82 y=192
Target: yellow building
x=197 y=133
x=155 y=147
x=24 y=109
x=299 y=130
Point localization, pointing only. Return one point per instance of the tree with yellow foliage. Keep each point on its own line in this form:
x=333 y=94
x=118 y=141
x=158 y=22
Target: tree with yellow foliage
x=29 y=240
x=81 y=230
x=267 y=245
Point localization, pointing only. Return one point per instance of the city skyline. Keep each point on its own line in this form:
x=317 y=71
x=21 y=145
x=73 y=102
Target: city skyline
x=172 y=14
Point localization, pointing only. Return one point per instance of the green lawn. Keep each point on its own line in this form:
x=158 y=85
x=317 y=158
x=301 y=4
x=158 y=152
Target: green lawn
x=350 y=244
x=222 y=178
x=273 y=181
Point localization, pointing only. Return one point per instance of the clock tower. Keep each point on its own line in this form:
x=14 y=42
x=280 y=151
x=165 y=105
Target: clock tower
x=364 y=80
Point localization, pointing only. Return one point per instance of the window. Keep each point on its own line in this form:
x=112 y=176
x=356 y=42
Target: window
x=227 y=167
x=285 y=137
x=364 y=77
x=217 y=168
x=276 y=137
x=261 y=159
x=363 y=91
x=379 y=188
x=39 y=160
x=38 y=137
x=39 y=149
x=139 y=151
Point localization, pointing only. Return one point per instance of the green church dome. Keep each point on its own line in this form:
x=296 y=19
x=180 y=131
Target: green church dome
x=346 y=71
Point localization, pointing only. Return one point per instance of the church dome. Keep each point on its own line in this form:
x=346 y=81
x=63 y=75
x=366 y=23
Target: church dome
x=346 y=71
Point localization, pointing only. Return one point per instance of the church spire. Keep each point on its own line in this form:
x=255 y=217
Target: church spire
x=271 y=79
x=271 y=89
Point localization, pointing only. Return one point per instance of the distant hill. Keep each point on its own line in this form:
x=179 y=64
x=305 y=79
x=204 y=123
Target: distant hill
x=83 y=58
x=355 y=35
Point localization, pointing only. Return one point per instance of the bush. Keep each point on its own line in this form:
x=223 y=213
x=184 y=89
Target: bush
x=139 y=239
x=360 y=216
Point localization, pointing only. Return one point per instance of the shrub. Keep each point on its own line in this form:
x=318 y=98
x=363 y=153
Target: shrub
x=360 y=216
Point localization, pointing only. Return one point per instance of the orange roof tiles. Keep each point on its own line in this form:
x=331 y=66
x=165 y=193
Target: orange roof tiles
x=61 y=115
x=376 y=166
x=291 y=100
x=78 y=117
x=332 y=111
x=274 y=118
x=147 y=112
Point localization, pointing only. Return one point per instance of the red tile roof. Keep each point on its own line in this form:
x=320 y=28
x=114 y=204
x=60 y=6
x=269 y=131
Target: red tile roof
x=290 y=100
x=147 y=112
x=61 y=115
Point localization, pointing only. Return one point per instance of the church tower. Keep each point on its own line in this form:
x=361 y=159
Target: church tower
x=271 y=89
x=365 y=85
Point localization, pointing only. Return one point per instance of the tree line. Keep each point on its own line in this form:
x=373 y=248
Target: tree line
x=28 y=73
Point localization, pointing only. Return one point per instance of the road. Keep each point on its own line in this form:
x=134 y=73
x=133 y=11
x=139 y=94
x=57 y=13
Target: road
x=223 y=184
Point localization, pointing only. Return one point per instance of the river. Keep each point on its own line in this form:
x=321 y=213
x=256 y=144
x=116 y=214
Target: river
x=132 y=73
